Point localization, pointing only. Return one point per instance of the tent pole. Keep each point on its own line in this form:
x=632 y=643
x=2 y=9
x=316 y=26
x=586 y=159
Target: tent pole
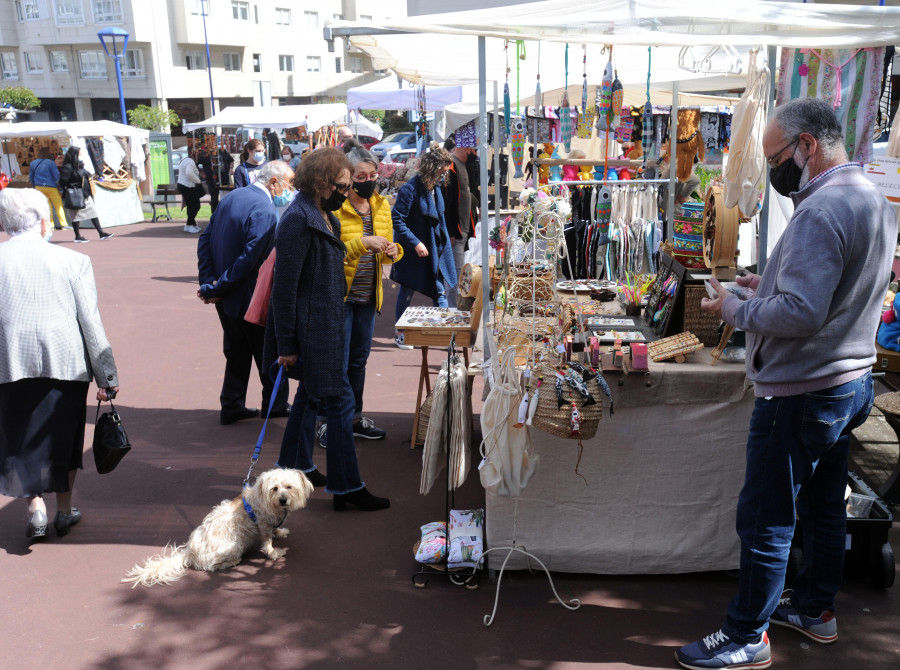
x=483 y=175
x=496 y=160
x=762 y=253
x=673 y=157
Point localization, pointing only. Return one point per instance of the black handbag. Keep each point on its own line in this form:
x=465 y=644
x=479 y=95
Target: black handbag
x=73 y=197
x=110 y=441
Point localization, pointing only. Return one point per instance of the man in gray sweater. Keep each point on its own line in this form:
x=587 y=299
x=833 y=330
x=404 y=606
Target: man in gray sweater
x=810 y=347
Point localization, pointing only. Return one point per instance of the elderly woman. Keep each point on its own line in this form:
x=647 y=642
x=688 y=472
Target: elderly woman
x=367 y=231
x=307 y=319
x=53 y=344
x=421 y=230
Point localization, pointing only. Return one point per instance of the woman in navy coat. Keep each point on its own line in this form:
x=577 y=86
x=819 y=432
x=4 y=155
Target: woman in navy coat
x=306 y=316
x=420 y=228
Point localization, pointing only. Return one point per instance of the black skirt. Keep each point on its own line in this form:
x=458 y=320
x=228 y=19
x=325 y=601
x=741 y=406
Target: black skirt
x=41 y=435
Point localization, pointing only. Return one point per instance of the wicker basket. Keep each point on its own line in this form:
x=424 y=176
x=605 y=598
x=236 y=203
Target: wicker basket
x=557 y=422
x=705 y=325
x=424 y=416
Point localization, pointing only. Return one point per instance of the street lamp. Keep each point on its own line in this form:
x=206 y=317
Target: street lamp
x=212 y=98
x=112 y=34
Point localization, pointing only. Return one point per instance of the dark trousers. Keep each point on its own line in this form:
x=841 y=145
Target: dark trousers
x=213 y=199
x=242 y=344
x=191 y=197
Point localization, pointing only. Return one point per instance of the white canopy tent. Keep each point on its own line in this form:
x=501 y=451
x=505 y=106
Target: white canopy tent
x=73 y=129
x=386 y=94
x=312 y=117
x=360 y=125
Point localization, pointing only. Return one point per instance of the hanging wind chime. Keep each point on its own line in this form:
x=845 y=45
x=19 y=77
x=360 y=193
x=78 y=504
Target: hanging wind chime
x=506 y=102
x=565 y=112
x=517 y=132
x=647 y=121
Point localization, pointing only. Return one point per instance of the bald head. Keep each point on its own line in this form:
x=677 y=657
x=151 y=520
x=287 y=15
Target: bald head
x=344 y=134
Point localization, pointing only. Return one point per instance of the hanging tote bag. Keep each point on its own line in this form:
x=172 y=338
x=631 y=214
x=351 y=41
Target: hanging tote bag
x=73 y=197
x=258 y=311
x=110 y=440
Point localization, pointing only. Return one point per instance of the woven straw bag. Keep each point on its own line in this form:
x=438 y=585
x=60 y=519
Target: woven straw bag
x=424 y=416
x=556 y=421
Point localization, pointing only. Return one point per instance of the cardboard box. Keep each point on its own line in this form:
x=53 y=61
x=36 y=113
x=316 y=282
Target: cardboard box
x=887 y=361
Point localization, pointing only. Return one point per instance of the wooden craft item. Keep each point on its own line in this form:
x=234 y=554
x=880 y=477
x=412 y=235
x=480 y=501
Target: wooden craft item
x=727 y=332
x=676 y=346
x=720 y=234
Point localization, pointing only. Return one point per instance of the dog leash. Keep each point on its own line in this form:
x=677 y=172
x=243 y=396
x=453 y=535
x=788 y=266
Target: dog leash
x=262 y=434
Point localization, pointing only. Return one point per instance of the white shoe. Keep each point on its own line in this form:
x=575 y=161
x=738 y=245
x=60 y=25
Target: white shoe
x=192 y=229
x=399 y=340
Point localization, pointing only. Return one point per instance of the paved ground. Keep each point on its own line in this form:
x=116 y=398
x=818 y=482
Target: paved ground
x=342 y=597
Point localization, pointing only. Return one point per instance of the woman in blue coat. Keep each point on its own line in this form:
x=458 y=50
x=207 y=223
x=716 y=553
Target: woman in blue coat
x=420 y=228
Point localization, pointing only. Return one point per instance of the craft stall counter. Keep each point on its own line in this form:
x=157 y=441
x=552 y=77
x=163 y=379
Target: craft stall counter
x=656 y=488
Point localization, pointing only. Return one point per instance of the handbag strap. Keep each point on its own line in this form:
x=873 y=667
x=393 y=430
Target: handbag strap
x=111 y=406
x=262 y=433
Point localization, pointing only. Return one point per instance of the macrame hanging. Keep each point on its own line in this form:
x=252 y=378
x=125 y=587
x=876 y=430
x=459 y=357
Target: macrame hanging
x=538 y=102
x=565 y=112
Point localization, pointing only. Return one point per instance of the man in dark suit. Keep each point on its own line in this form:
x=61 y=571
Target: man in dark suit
x=239 y=237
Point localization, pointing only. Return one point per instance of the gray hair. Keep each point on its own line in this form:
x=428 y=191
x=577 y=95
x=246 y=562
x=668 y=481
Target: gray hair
x=813 y=116
x=278 y=169
x=360 y=154
x=22 y=209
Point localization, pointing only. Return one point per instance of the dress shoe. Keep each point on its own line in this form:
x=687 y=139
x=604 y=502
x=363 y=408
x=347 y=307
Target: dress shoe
x=316 y=478
x=277 y=413
x=37 y=524
x=64 y=522
x=361 y=499
x=226 y=419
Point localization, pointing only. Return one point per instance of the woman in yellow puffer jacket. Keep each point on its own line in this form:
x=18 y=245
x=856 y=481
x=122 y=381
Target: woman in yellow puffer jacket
x=368 y=233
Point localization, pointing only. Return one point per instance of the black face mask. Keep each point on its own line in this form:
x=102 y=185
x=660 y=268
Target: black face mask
x=785 y=177
x=333 y=202
x=364 y=189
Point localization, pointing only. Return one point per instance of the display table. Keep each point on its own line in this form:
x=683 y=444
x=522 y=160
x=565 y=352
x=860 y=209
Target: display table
x=662 y=475
x=118 y=208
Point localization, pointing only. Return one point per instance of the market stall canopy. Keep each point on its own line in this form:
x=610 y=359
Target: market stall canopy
x=285 y=116
x=360 y=125
x=386 y=94
x=73 y=129
x=664 y=23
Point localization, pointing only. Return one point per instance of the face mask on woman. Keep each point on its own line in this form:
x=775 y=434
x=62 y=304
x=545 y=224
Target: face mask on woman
x=259 y=156
x=364 y=189
x=333 y=202
x=286 y=158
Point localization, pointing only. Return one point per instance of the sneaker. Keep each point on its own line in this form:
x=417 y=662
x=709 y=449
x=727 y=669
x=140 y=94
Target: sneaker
x=192 y=229
x=366 y=429
x=822 y=629
x=320 y=434
x=106 y=236
x=81 y=240
x=399 y=341
x=718 y=651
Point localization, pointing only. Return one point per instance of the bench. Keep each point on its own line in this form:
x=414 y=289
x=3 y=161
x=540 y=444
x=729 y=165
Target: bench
x=165 y=194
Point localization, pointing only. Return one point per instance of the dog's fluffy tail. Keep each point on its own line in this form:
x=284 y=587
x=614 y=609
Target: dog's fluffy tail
x=164 y=568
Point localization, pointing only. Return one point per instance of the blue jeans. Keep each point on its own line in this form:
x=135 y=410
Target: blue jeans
x=300 y=438
x=405 y=295
x=796 y=465
x=359 y=327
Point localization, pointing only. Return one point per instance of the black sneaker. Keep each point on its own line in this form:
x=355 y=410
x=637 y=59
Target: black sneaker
x=366 y=429
x=106 y=236
x=82 y=240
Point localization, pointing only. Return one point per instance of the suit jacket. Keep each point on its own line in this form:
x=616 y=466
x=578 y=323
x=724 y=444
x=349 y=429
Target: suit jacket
x=239 y=236
x=49 y=321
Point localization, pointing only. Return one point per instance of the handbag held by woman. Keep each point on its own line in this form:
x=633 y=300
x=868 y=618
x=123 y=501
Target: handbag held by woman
x=110 y=441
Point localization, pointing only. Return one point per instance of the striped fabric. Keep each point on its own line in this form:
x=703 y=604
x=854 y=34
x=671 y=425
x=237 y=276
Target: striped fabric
x=362 y=290
x=849 y=79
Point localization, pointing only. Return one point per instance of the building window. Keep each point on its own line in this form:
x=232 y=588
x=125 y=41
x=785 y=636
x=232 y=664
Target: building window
x=257 y=64
x=69 y=13
x=354 y=64
x=133 y=64
x=337 y=64
x=282 y=16
x=33 y=61
x=93 y=65
x=286 y=63
x=108 y=11
x=364 y=17
x=59 y=61
x=313 y=64
x=338 y=17
x=199 y=7
x=240 y=11
x=194 y=60
x=8 y=65
x=232 y=62
x=311 y=19
x=29 y=10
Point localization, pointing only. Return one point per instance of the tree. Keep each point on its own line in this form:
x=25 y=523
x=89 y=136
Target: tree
x=19 y=97
x=152 y=118
x=375 y=115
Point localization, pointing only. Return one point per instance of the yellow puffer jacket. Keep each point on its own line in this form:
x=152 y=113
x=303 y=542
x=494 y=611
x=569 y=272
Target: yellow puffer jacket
x=352 y=232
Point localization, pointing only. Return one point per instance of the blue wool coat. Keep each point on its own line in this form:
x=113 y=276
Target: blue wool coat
x=419 y=218
x=306 y=312
x=235 y=242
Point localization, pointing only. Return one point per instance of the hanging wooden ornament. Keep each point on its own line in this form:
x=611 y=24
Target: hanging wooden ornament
x=517 y=142
x=506 y=102
x=616 y=101
x=604 y=98
x=565 y=122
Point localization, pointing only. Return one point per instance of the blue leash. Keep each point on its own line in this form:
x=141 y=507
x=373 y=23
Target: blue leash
x=262 y=434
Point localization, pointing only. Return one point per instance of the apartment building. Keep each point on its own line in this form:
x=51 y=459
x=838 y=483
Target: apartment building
x=267 y=52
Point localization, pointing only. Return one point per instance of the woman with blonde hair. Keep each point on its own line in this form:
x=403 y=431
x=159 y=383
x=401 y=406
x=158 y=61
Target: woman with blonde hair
x=421 y=230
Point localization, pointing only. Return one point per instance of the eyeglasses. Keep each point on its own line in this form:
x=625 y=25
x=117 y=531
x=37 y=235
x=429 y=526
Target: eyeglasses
x=362 y=179
x=341 y=188
x=286 y=186
x=770 y=159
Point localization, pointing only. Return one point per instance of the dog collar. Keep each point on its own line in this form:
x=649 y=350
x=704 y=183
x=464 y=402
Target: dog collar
x=249 y=511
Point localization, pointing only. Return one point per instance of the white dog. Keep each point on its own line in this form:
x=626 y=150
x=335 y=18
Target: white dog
x=229 y=530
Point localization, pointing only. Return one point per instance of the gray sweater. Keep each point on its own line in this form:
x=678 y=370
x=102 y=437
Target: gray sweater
x=812 y=322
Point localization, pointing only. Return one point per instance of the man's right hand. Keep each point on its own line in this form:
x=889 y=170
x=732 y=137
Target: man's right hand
x=748 y=280
x=287 y=361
